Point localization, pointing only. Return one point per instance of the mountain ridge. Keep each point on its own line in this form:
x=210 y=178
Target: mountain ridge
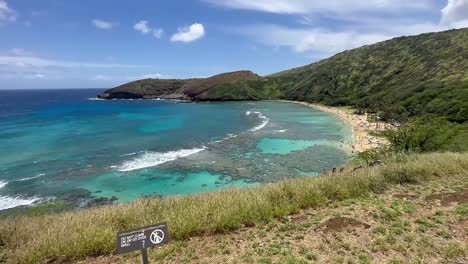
x=185 y=89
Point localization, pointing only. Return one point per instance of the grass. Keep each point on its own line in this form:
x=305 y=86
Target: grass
x=77 y=235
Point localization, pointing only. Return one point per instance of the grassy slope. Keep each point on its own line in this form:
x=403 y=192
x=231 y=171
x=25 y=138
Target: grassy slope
x=404 y=76
x=405 y=224
x=77 y=235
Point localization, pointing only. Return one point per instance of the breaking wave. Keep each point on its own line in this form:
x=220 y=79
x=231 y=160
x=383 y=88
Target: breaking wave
x=31 y=178
x=7 y=202
x=151 y=159
x=265 y=120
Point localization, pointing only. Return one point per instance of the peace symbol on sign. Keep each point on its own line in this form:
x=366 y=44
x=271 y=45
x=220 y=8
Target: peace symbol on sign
x=157 y=236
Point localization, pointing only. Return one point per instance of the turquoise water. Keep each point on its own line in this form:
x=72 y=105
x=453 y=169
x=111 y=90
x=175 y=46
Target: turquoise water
x=161 y=184
x=285 y=146
x=59 y=144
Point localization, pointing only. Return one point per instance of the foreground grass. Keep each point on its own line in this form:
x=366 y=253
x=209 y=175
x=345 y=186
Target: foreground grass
x=78 y=235
x=410 y=223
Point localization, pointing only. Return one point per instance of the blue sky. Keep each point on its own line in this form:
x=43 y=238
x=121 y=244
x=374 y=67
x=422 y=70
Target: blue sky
x=103 y=43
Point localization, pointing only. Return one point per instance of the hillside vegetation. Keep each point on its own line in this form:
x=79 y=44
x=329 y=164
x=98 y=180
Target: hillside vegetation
x=77 y=235
x=184 y=89
x=399 y=78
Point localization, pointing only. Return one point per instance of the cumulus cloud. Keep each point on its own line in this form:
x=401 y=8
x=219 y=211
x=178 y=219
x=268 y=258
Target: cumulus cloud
x=455 y=14
x=189 y=34
x=6 y=13
x=142 y=26
x=101 y=24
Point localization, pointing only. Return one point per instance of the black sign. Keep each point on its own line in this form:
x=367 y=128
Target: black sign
x=142 y=238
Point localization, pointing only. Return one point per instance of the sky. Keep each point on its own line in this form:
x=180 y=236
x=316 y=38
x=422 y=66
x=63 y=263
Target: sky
x=104 y=43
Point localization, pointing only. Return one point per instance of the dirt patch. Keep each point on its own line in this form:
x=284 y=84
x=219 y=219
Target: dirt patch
x=298 y=218
x=405 y=196
x=447 y=199
x=464 y=227
x=338 y=224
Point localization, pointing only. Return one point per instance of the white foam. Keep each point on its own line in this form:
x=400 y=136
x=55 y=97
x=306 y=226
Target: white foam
x=95 y=99
x=30 y=178
x=2 y=184
x=265 y=120
x=280 y=131
x=151 y=159
x=228 y=136
x=7 y=202
x=129 y=154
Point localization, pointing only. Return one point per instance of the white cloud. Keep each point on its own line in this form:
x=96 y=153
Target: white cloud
x=6 y=13
x=150 y=76
x=33 y=61
x=311 y=40
x=189 y=34
x=142 y=26
x=38 y=76
x=311 y=6
x=455 y=14
x=101 y=24
x=350 y=30
x=19 y=64
x=101 y=77
x=158 y=33
x=22 y=65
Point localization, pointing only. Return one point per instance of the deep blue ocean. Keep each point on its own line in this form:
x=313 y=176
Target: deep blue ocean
x=66 y=145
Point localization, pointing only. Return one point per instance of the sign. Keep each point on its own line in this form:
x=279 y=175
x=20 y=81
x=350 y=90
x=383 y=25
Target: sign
x=142 y=238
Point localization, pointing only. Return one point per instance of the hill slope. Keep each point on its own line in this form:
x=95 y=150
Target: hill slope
x=405 y=76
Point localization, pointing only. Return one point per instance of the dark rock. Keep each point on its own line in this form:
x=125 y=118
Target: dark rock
x=375 y=163
x=358 y=168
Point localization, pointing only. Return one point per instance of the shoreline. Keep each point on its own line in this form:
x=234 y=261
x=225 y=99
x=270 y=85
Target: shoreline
x=360 y=126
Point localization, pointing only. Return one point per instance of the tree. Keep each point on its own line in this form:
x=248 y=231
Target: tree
x=423 y=134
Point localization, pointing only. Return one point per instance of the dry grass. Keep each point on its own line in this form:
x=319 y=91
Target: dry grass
x=78 y=235
x=402 y=225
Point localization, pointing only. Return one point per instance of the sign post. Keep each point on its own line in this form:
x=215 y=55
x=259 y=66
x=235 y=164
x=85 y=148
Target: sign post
x=141 y=239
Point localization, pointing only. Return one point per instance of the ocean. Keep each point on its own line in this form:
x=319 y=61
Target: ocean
x=66 y=145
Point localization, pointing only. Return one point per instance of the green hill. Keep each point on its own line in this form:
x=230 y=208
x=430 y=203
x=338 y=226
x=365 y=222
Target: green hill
x=398 y=78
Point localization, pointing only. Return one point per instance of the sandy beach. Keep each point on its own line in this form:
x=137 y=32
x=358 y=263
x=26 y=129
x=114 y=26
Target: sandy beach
x=361 y=126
